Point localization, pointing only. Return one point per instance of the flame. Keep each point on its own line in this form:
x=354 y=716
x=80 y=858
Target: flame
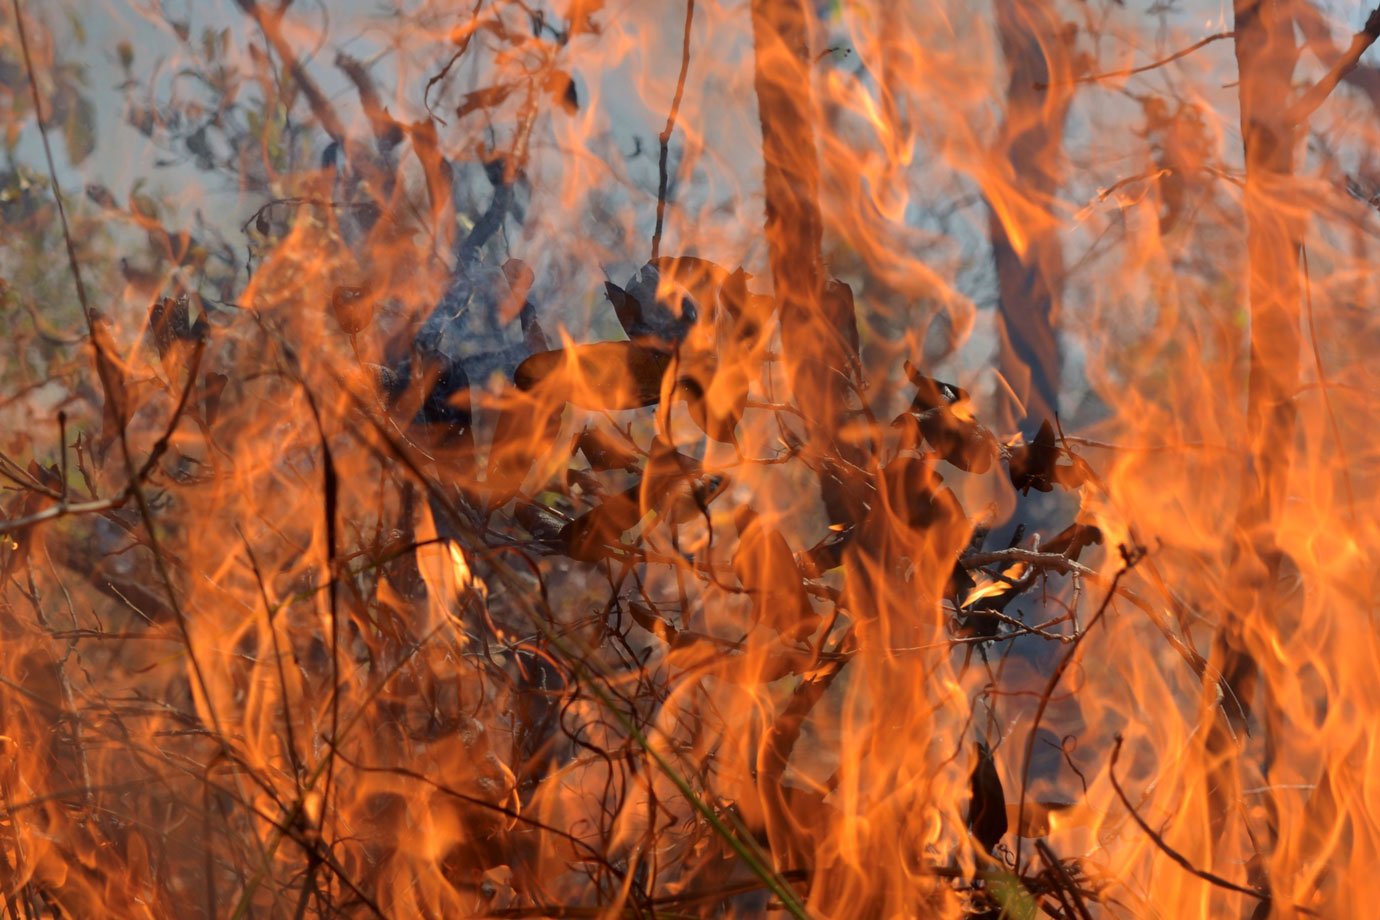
x=851 y=460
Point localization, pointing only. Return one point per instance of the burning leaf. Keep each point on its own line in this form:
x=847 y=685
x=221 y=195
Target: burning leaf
x=987 y=588
x=747 y=312
x=917 y=496
x=701 y=278
x=841 y=315
x=540 y=521
x=1036 y=465
x=561 y=86
x=175 y=332
x=604 y=376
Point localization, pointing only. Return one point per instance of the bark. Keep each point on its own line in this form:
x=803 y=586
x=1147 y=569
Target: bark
x=818 y=334
x=1266 y=54
x=818 y=324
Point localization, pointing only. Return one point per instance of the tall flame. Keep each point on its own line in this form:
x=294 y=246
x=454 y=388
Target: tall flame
x=695 y=459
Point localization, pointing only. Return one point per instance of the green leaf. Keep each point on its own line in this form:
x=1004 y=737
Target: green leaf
x=1017 y=903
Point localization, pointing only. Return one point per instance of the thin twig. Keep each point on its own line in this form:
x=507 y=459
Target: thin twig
x=1129 y=556
x=1175 y=855
x=1056 y=561
x=1132 y=71
x=665 y=136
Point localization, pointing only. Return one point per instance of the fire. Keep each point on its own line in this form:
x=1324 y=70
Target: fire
x=464 y=578
x=695 y=459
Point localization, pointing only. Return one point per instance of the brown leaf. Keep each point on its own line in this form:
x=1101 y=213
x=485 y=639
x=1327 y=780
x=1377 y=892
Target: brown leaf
x=917 y=496
x=525 y=430
x=766 y=567
x=603 y=452
x=589 y=537
x=603 y=376
x=715 y=393
x=353 y=308
x=484 y=98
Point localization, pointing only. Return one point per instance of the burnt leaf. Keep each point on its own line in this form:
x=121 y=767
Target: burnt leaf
x=1036 y=465
x=78 y=126
x=445 y=413
x=628 y=310
x=931 y=393
x=533 y=336
x=539 y=520
x=212 y=389
x=943 y=414
x=690 y=498
x=590 y=536
x=171 y=321
x=1073 y=539
x=647 y=316
x=392 y=384
x=520 y=278
x=827 y=554
x=850 y=491
x=603 y=376
x=987 y=808
x=101 y=197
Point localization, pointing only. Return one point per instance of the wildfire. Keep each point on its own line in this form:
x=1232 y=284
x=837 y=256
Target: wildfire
x=690 y=459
